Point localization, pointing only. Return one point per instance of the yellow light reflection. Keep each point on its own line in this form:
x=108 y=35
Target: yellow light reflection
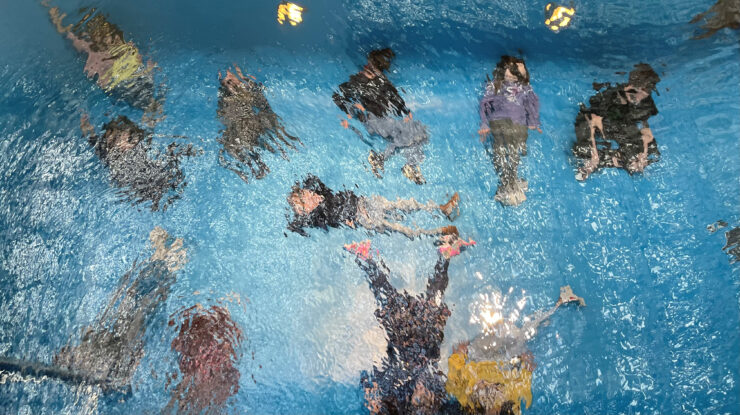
x=290 y=11
x=558 y=17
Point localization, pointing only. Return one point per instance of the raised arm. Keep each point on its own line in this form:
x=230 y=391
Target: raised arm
x=437 y=283
x=595 y=122
x=566 y=296
x=377 y=277
x=532 y=108
x=396 y=100
x=484 y=129
x=343 y=98
x=56 y=19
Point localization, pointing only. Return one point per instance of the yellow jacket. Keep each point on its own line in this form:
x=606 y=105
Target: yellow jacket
x=463 y=375
x=125 y=66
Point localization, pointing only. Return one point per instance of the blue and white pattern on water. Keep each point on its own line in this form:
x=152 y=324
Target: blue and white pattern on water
x=660 y=332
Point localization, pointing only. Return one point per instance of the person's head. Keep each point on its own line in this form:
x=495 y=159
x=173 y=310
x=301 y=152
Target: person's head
x=304 y=201
x=423 y=399
x=510 y=69
x=380 y=59
x=230 y=82
x=507 y=408
x=103 y=34
x=642 y=81
x=488 y=396
x=304 y=198
x=209 y=344
x=122 y=134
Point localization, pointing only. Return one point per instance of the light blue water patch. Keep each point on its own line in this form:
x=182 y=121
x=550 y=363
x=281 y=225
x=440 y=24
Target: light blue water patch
x=659 y=334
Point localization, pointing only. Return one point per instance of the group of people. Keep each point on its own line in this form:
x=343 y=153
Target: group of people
x=612 y=131
x=110 y=350
x=490 y=374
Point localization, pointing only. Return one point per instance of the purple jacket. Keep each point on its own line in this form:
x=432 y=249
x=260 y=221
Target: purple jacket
x=514 y=101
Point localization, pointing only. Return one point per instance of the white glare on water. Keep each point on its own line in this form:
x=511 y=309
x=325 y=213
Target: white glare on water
x=490 y=309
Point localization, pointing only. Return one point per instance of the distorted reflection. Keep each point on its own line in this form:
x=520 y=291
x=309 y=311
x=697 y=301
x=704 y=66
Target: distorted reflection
x=115 y=63
x=618 y=115
x=409 y=381
x=251 y=126
x=142 y=173
x=508 y=109
x=493 y=373
x=290 y=11
x=315 y=205
x=558 y=17
x=723 y=14
x=732 y=245
x=112 y=348
x=371 y=98
x=208 y=343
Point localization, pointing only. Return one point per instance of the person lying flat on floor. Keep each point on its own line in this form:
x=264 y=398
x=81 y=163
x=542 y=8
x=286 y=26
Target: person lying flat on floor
x=315 y=205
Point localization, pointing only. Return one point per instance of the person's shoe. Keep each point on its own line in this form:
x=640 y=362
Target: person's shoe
x=376 y=162
x=509 y=196
x=523 y=184
x=581 y=175
x=567 y=296
x=451 y=206
x=502 y=194
x=450 y=230
x=413 y=173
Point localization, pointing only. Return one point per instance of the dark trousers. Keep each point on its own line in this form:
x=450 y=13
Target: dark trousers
x=509 y=143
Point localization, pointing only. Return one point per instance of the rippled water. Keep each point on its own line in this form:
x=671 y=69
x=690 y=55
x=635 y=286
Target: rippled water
x=660 y=332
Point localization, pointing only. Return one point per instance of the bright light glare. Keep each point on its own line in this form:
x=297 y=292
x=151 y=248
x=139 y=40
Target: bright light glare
x=290 y=11
x=559 y=18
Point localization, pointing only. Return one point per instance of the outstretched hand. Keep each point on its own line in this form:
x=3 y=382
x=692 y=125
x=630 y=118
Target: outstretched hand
x=483 y=133
x=452 y=245
x=461 y=348
x=361 y=249
x=567 y=296
x=85 y=126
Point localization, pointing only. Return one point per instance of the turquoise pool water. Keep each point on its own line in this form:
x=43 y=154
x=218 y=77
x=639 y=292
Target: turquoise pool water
x=660 y=332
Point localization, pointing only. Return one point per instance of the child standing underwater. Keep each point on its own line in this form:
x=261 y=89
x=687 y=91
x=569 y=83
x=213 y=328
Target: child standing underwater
x=508 y=108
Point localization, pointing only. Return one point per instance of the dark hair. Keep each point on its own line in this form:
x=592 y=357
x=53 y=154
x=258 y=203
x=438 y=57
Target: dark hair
x=381 y=58
x=98 y=28
x=507 y=408
x=510 y=63
x=643 y=76
x=121 y=123
x=313 y=184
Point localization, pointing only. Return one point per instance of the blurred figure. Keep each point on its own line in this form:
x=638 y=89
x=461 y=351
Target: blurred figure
x=618 y=115
x=112 y=348
x=251 y=126
x=732 y=245
x=723 y=14
x=142 y=174
x=208 y=343
x=409 y=381
x=115 y=63
x=508 y=107
x=370 y=97
x=493 y=374
x=316 y=206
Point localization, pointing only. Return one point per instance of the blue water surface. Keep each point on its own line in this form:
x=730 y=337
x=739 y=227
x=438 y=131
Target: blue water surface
x=660 y=332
